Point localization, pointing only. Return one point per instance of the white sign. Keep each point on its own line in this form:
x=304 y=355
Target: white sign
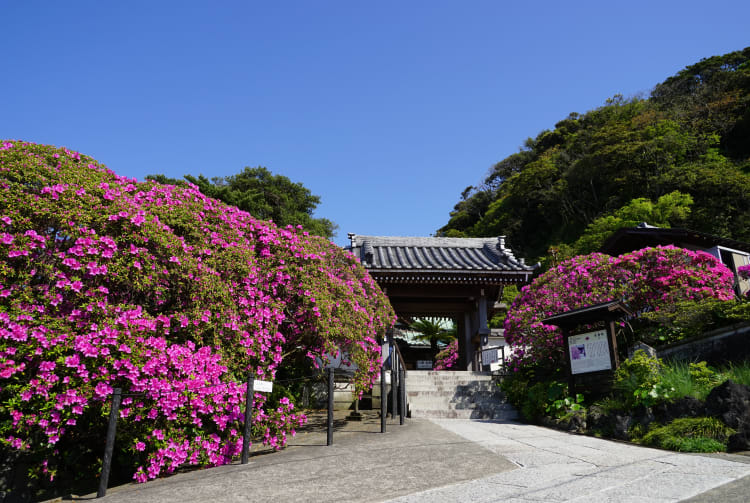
x=589 y=352
x=262 y=386
x=424 y=364
x=490 y=356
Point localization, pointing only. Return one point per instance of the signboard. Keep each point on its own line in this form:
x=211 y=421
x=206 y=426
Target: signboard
x=490 y=356
x=424 y=364
x=263 y=386
x=589 y=352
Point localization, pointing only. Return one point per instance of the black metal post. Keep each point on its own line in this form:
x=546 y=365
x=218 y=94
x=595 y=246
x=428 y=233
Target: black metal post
x=249 y=396
x=402 y=393
x=394 y=385
x=383 y=398
x=110 y=445
x=330 y=407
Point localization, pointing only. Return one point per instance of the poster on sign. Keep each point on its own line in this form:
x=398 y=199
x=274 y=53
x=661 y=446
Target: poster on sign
x=262 y=386
x=589 y=352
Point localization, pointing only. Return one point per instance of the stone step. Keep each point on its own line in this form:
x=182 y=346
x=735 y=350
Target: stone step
x=432 y=378
x=450 y=382
x=476 y=377
x=458 y=394
x=506 y=413
x=461 y=388
x=464 y=406
x=448 y=372
x=455 y=395
x=455 y=401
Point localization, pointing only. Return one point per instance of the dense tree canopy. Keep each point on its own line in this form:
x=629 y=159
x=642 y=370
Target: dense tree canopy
x=265 y=196
x=691 y=136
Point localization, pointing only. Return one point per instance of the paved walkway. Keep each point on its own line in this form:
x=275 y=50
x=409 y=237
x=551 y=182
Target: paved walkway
x=557 y=466
x=454 y=460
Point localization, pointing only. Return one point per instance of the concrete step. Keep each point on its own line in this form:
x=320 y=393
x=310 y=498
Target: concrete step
x=458 y=394
x=449 y=375
x=460 y=388
x=455 y=406
x=505 y=413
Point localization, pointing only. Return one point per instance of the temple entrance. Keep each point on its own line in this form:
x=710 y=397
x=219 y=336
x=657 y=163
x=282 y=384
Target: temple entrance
x=460 y=279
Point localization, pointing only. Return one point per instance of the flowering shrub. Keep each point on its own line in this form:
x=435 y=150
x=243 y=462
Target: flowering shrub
x=650 y=278
x=447 y=357
x=744 y=271
x=174 y=297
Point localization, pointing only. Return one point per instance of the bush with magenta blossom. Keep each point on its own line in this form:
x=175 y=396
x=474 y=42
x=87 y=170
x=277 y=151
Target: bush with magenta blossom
x=647 y=279
x=174 y=297
x=446 y=358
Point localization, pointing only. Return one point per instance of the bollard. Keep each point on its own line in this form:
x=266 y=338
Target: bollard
x=402 y=393
x=330 y=407
x=383 y=398
x=110 y=445
x=249 y=396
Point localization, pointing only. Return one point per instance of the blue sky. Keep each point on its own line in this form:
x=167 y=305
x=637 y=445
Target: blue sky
x=386 y=110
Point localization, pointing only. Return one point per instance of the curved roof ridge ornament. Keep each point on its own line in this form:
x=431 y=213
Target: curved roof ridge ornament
x=507 y=252
x=368 y=251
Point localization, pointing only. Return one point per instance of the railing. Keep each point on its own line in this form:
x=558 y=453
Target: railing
x=398 y=386
x=117 y=396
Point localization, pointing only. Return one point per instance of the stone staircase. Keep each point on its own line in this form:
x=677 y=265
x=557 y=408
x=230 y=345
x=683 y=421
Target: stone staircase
x=456 y=394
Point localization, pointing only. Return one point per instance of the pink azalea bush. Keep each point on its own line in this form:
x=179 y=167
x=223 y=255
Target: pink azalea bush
x=446 y=358
x=647 y=279
x=174 y=297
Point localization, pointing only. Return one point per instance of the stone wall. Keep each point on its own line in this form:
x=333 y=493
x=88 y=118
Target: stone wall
x=727 y=344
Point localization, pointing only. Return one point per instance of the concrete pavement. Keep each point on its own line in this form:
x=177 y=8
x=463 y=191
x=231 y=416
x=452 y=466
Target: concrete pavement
x=361 y=465
x=558 y=466
x=454 y=460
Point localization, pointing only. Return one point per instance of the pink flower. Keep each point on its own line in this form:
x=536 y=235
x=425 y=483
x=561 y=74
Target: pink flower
x=102 y=390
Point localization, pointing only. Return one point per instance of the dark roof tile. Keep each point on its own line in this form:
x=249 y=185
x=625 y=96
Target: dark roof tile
x=436 y=254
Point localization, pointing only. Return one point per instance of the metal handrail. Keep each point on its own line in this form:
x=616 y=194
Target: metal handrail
x=400 y=356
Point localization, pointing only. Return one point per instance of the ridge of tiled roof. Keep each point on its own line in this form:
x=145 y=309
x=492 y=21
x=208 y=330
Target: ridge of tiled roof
x=397 y=253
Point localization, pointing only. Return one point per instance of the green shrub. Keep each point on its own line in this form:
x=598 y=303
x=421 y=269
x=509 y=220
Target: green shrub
x=636 y=431
x=611 y=404
x=677 y=375
x=739 y=373
x=691 y=434
x=534 y=406
x=514 y=386
x=549 y=398
x=698 y=444
x=702 y=375
x=638 y=378
x=564 y=405
x=690 y=379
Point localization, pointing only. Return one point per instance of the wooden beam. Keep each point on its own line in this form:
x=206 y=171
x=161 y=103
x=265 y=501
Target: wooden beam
x=435 y=307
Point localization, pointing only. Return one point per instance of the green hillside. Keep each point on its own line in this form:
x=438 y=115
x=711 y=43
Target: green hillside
x=680 y=157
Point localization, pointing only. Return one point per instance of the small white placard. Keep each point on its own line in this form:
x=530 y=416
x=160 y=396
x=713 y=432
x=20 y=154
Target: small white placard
x=589 y=352
x=490 y=356
x=263 y=386
x=424 y=364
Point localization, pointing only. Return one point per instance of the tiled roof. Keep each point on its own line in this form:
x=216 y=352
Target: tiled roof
x=436 y=255
x=629 y=239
